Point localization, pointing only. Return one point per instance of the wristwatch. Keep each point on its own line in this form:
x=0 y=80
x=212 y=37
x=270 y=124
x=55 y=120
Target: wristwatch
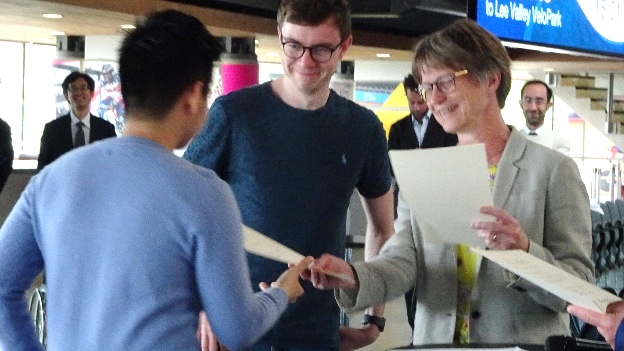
x=380 y=322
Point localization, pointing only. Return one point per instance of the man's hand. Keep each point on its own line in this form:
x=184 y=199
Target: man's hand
x=353 y=338
x=289 y=280
x=206 y=337
x=607 y=324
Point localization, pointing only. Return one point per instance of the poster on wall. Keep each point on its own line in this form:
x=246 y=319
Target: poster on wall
x=107 y=102
x=374 y=93
x=386 y=98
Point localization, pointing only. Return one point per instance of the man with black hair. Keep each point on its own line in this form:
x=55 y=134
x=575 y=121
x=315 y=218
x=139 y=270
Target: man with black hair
x=134 y=276
x=419 y=129
x=77 y=128
x=536 y=99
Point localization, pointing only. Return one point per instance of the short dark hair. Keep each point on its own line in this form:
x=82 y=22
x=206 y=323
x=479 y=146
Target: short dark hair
x=313 y=12
x=74 y=76
x=409 y=83
x=161 y=58
x=466 y=45
x=549 y=92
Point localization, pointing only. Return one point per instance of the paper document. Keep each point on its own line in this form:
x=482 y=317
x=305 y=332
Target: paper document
x=552 y=279
x=445 y=187
x=261 y=245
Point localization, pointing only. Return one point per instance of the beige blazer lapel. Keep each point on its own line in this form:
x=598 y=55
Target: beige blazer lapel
x=504 y=181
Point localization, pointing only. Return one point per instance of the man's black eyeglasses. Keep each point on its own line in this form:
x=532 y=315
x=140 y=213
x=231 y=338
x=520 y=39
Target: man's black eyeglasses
x=319 y=53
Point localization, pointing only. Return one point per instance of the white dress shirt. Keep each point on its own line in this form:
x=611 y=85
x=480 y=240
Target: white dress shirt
x=86 y=120
x=420 y=129
x=549 y=138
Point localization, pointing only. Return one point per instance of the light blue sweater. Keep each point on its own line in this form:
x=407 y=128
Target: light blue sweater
x=135 y=242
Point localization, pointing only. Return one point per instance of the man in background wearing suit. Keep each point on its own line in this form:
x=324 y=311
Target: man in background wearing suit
x=418 y=130
x=79 y=127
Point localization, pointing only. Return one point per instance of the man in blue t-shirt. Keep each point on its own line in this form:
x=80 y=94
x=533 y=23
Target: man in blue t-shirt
x=293 y=151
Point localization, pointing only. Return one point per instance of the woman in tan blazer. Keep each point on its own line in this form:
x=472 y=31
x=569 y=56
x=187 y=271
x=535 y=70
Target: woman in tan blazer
x=540 y=206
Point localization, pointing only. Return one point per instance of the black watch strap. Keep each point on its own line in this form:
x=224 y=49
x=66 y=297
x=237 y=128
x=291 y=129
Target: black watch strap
x=380 y=322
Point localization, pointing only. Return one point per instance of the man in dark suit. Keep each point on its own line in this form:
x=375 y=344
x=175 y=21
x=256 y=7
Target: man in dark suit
x=6 y=153
x=77 y=128
x=418 y=130
x=403 y=133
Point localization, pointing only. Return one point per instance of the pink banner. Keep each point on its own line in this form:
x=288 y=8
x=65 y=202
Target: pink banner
x=237 y=75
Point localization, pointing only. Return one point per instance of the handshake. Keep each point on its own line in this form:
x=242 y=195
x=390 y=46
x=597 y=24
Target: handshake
x=327 y=272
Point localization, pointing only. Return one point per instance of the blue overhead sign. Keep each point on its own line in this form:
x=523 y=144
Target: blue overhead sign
x=591 y=26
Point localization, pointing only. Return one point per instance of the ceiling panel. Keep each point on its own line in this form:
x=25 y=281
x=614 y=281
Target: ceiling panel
x=403 y=17
x=22 y=20
x=390 y=27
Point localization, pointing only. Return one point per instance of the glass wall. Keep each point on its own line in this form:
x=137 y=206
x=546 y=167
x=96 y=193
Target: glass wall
x=11 y=89
x=39 y=95
x=27 y=90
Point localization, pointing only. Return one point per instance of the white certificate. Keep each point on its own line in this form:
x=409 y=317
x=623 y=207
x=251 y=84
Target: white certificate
x=261 y=245
x=553 y=279
x=445 y=187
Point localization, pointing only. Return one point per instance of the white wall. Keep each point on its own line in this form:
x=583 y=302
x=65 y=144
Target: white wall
x=382 y=70
x=102 y=47
x=269 y=71
x=374 y=70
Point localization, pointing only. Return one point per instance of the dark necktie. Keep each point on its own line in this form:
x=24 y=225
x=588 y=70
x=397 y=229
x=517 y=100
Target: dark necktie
x=532 y=133
x=79 y=139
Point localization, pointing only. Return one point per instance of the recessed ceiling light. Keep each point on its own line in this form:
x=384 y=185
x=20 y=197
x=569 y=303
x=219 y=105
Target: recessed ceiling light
x=128 y=26
x=383 y=55
x=53 y=15
x=57 y=33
